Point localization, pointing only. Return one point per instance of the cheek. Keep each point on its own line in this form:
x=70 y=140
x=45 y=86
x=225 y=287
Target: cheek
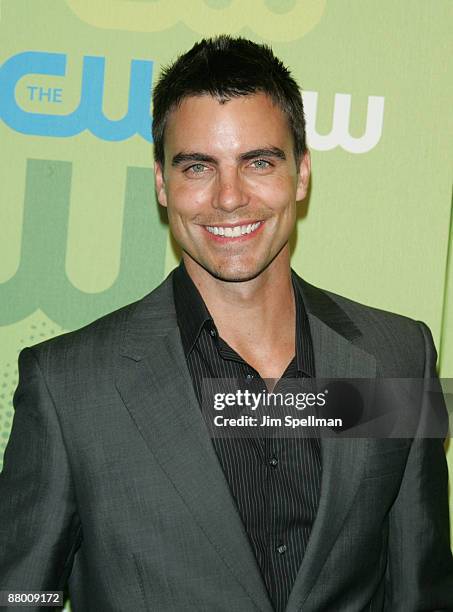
x=279 y=193
x=188 y=199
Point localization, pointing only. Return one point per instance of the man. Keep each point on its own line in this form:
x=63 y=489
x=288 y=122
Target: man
x=112 y=485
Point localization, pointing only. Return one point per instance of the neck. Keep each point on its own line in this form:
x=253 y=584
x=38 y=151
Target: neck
x=259 y=309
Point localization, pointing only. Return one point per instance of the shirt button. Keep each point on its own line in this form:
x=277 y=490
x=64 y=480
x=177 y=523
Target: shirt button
x=273 y=462
x=281 y=549
x=249 y=376
x=213 y=333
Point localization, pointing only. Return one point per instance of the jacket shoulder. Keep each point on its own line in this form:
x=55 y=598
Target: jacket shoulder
x=103 y=337
x=369 y=316
x=399 y=343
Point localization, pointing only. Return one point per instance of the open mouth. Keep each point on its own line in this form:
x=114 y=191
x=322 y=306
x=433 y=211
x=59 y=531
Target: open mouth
x=234 y=231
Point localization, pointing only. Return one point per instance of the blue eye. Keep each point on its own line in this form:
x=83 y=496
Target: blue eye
x=197 y=168
x=261 y=164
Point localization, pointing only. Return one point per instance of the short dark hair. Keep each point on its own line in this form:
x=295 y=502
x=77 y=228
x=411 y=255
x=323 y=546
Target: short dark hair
x=226 y=67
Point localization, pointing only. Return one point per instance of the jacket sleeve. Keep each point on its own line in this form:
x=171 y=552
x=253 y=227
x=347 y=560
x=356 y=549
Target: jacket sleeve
x=420 y=565
x=39 y=525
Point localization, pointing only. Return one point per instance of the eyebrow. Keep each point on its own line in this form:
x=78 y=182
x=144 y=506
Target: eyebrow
x=274 y=152
x=194 y=156
x=182 y=158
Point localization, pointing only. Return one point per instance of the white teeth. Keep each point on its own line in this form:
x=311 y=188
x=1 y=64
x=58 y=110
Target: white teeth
x=233 y=232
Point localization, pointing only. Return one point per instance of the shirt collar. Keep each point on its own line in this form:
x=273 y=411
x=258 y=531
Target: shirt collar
x=191 y=311
x=192 y=315
x=305 y=359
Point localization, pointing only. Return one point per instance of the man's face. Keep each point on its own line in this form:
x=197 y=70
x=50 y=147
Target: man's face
x=230 y=183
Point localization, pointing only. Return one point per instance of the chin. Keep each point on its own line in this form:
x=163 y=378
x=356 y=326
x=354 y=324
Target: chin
x=233 y=274
x=230 y=271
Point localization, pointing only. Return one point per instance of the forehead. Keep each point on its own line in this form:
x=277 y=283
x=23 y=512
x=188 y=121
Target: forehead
x=203 y=123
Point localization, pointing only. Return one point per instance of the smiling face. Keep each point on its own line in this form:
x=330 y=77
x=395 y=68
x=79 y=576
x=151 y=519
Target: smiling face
x=230 y=183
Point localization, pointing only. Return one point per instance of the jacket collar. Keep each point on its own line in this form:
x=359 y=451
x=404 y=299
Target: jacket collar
x=155 y=315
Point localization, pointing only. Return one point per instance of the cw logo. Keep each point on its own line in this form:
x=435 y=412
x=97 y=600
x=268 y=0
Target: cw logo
x=339 y=135
x=89 y=115
x=227 y=16
x=41 y=280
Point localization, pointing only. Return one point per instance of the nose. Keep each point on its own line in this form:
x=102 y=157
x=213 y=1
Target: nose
x=230 y=191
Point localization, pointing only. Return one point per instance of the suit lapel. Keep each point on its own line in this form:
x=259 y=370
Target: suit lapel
x=155 y=385
x=343 y=460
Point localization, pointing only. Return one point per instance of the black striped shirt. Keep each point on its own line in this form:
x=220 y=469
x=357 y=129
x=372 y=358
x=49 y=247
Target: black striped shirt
x=274 y=481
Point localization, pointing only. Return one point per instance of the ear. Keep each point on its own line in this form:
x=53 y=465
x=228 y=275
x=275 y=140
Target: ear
x=160 y=184
x=304 y=176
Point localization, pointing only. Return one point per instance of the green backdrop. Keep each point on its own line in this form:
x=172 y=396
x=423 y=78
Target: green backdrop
x=81 y=232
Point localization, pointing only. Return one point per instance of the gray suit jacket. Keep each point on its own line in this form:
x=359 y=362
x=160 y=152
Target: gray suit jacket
x=111 y=484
